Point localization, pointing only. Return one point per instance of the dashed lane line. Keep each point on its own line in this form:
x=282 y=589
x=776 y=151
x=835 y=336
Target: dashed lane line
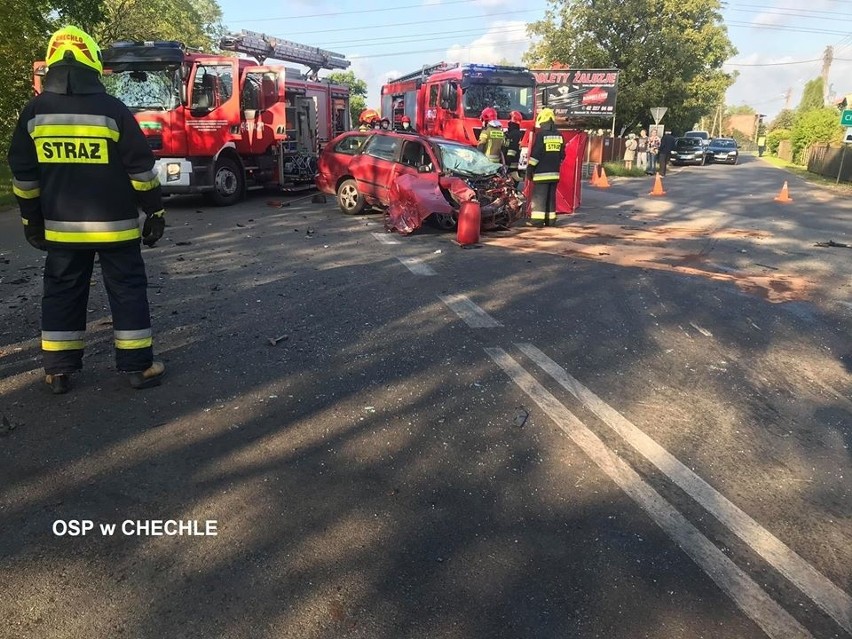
x=472 y=315
x=776 y=622
x=417 y=266
x=824 y=593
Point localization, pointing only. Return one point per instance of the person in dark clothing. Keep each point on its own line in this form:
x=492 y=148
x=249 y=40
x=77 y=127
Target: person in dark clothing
x=81 y=170
x=667 y=144
x=514 y=135
x=546 y=157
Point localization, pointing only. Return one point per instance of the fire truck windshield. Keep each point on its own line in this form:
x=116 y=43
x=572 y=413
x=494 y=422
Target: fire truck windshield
x=504 y=98
x=148 y=90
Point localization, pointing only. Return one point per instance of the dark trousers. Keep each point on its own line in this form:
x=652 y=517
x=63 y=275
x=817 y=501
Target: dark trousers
x=543 y=202
x=664 y=162
x=67 y=273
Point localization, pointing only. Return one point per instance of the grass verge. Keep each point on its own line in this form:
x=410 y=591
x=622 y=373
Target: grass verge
x=813 y=178
x=617 y=169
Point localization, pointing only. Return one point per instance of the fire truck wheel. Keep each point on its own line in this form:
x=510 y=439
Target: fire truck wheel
x=227 y=183
x=349 y=199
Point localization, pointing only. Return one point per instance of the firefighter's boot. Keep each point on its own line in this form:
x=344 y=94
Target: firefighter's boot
x=59 y=384
x=150 y=377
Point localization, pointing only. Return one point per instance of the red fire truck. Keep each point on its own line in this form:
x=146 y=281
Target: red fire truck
x=221 y=124
x=446 y=99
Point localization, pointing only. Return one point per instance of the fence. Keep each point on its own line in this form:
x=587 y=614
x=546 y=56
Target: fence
x=824 y=159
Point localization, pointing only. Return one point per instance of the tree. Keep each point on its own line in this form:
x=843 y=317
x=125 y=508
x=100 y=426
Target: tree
x=816 y=125
x=785 y=119
x=196 y=23
x=357 y=91
x=742 y=109
x=811 y=96
x=670 y=52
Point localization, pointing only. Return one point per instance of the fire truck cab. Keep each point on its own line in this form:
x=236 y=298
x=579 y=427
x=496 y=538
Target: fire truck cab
x=222 y=124
x=447 y=99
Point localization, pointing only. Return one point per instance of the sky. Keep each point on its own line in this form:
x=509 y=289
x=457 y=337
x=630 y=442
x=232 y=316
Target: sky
x=780 y=43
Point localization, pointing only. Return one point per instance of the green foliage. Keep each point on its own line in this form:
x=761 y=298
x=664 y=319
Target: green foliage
x=812 y=96
x=6 y=196
x=196 y=23
x=357 y=91
x=670 y=52
x=816 y=125
x=617 y=169
x=742 y=109
x=784 y=120
x=773 y=139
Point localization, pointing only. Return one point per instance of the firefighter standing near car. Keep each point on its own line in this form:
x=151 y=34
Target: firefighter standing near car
x=513 y=144
x=546 y=157
x=366 y=119
x=492 y=137
x=82 y=169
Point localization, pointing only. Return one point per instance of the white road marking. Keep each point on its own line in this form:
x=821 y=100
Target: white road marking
x=385 y=238
x=776 y=622
x=416 y=266
x=824 y=593
x=472 y=315
x=703 y=331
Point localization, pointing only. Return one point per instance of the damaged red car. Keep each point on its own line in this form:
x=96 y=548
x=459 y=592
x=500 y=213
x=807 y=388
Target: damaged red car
x=413 y=178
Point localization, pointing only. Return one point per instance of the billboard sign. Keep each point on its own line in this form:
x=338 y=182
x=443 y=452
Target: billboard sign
x=577 y=93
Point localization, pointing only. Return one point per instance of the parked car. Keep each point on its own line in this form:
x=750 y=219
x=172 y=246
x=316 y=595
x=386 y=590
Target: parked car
x=689 y=151
x=723 y=150
x=413 y=177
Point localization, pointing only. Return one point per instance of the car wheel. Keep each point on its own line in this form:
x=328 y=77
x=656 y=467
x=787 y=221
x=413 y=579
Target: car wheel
x=446 y=221
x=228 y=183
x=349 y=198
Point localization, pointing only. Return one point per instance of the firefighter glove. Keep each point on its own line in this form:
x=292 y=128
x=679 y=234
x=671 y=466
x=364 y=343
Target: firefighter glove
x=153 y=229
x=35 y=236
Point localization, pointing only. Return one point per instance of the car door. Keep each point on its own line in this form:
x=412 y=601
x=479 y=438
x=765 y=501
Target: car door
x=413 y=156
x=335 y=158
x=373 y=168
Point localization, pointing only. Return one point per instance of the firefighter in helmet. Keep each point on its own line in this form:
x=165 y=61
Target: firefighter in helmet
x=513 y=144
x=366 y=119
x=491 y=138
x=405 y=125
x=81 y=170
x=546 y=157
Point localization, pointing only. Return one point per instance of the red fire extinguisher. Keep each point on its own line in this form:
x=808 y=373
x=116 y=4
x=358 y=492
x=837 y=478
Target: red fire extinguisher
x=470 y=220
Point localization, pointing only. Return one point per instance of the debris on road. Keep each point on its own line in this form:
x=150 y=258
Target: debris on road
x=521 y=417
x=273 y=341
x=6 y=426
x=319 y=198
x=832 y=244
x=183 y=243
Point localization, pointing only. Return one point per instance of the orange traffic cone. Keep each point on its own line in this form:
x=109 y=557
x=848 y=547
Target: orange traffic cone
x=784 y=195
x=658 y=186
x=603 y=182
x=594 y=180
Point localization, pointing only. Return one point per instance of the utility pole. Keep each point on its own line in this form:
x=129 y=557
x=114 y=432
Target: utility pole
x=787 y=98
x=827 y=59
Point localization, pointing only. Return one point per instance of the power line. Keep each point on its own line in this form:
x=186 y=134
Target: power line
x=399 y=53
x=398 y=39
x=342 y=13
x=770 y=64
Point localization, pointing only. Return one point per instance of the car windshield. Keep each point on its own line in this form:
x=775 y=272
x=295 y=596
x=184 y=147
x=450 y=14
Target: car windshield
x=466 y=161
x=688 y=142
x=149 y=90
x=724 y=144
x=503 y=98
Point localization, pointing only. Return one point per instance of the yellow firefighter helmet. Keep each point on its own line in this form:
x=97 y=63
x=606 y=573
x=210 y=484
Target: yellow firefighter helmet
x=73 y=45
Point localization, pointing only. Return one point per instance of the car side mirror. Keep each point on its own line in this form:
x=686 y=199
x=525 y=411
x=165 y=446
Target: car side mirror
x=424 y=168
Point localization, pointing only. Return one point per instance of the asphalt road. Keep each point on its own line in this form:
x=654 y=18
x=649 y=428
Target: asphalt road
x=637 y=424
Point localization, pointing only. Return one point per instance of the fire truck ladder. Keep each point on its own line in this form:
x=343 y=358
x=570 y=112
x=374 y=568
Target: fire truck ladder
x=427 y=70
x=262 y=46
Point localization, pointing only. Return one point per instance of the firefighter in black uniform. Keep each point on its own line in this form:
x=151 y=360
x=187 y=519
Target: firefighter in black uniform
x=81 y=170
x=543 y=169
x=514 y=135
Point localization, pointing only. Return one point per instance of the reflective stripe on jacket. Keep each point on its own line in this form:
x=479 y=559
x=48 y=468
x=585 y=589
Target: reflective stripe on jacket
x=82 y=169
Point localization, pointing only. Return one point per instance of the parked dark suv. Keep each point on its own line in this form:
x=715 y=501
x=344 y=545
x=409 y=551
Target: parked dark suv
x=723 y=150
